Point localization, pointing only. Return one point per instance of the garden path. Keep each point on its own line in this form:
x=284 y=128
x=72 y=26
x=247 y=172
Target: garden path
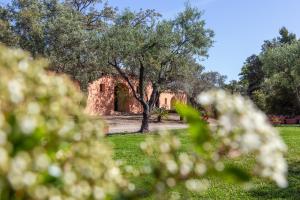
x=132 y=123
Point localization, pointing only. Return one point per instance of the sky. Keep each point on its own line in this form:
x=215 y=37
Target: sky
x=240 y=26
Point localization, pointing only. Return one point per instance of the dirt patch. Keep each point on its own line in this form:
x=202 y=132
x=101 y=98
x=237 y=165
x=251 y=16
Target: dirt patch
x=132 y=123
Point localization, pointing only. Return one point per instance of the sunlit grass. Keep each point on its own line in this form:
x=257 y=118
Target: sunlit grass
x=127 y=148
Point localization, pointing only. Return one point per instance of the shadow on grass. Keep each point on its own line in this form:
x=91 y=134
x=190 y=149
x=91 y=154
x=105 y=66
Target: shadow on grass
x=287 y=125
x=271 y=191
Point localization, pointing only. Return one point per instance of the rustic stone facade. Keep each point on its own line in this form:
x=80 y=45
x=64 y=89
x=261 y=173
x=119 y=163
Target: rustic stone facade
x=111 y=95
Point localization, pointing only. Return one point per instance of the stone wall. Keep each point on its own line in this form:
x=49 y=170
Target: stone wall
x=102 y=97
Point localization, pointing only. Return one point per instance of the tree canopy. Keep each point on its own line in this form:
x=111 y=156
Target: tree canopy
x=156 y=51
x=270 y=79
x=89 y=38
x=65 y=32
x=282 y=68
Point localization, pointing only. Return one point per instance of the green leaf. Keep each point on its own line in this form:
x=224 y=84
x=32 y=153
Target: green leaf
x=198 y=128
x=235 y=174
x=189 y=113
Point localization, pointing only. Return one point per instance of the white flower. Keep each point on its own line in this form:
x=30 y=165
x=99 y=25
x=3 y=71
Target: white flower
x=54 y=170
x=172 y=166
x=42 y=161
x=62 y=89
x=28 y=124
x=226 y=123
x=69 y=178
x=20 y=162
x=33 y=108
x=29 y=178
x=68 y=126
x=171 y=182
x=143 y=145
x=185 y=169
x=131 y=187
x=98 y=193
x=15 y=89
x=200 y=169
x=56 y=197
x=196 y=185
x=250 y=141
x=23 y=65
x=114 y=172
x=205 y=99
x=41 y=192
x=164 y=147
x=3 y=138
x=280 y=180
x=241 y=126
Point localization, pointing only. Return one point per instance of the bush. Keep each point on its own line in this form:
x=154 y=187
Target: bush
x=161 y=113
x=48 y=147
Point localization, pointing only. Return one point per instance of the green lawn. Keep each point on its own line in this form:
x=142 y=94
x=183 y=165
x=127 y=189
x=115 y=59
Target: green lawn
x=127 y=148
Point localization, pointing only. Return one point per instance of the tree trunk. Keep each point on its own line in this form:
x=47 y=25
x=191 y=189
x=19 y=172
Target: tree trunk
x=147 y=108
x=180 y=118
x=145 y=121
x=159 y=118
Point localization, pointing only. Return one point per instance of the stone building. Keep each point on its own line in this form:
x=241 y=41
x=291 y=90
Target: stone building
x=111 y=95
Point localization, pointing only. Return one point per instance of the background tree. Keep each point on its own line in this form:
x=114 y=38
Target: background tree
x=235 y=87
x=155 y=51
x=65 y=32
x=201 y=82
x=7 y=35
x=282 y=68
x=252 y=75
x=269 y=78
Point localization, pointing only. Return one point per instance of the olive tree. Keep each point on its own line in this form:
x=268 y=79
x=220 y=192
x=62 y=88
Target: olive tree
x=62 y=31
x=155 y=51
x=282 y=67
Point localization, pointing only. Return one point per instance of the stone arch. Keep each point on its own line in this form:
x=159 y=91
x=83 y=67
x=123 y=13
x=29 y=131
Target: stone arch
x=121 y=98
x=173 y=103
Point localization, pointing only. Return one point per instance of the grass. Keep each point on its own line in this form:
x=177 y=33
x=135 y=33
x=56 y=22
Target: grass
x=127 y=148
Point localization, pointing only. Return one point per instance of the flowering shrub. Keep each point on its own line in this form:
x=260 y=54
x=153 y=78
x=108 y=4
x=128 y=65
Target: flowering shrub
x=240 y=126
x=50 y=150
x=239 y=129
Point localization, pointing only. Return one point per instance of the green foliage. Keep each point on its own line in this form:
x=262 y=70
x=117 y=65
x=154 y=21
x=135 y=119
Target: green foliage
x=252 y=75
x=260 y=99
x=198 y=82
x=235 y=87
x=282 y=68
x=86 y=40
x=235 y=174
x=198 y=128
x=65 y=32
x=155 y=51
x=271 y=79
x=161 y=113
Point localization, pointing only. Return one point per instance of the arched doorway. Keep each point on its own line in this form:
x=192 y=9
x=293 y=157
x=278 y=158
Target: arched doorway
x=121 y=100
x=173 y=103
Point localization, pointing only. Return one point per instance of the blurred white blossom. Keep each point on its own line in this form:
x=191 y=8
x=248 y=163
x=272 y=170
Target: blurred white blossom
x=15 y=89
x=49 y=149
x=241 y=126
